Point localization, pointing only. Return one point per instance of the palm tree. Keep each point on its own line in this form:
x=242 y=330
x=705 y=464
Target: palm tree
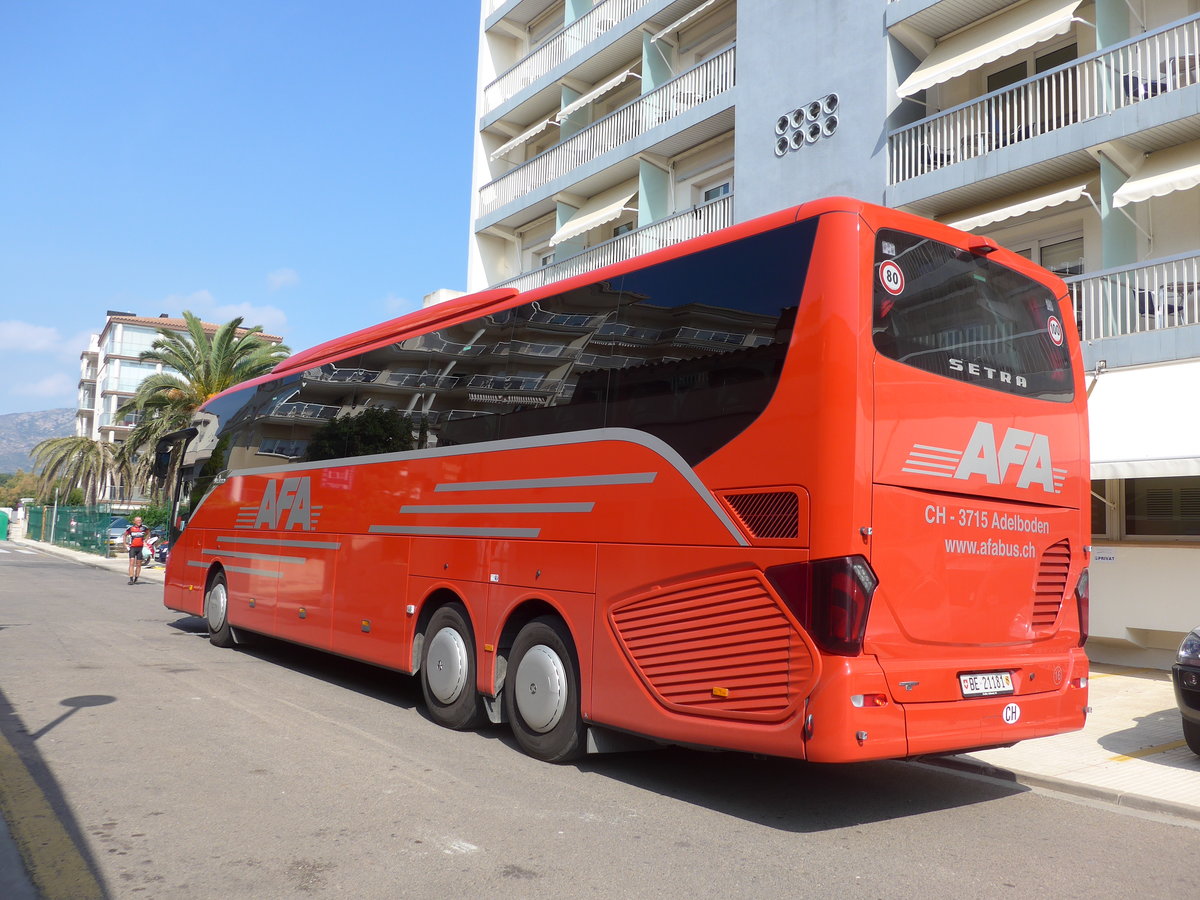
x=80 y=462
x=207 y=365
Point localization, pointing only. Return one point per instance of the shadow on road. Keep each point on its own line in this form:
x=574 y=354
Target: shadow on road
x=53 y=867
x=789 y=795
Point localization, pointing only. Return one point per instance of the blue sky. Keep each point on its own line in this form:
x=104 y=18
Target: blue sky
x=305 y=164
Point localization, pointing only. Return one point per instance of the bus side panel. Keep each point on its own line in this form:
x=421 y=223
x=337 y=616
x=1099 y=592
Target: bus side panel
x=369 y=619
x=503 y=600
x=816 y=432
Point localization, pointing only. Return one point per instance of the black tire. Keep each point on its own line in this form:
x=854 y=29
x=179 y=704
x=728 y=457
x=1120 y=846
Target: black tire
x=216 y=612
x=541 y=692
x=1191 y=734
x=448 y=671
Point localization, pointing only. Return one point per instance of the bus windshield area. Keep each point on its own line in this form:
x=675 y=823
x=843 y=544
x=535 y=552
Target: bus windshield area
x=957 y=314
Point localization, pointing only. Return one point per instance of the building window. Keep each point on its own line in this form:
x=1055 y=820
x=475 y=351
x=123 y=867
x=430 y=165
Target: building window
x=623 y=228
x=1100 y=507
x=1162 y=507
x=719 y=190
x=1019 y=71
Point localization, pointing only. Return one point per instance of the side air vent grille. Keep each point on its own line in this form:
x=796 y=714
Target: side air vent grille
x=774 y=515
x=719 y=646
x=1050 y=584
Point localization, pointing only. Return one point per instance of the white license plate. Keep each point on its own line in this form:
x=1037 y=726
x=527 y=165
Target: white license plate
x=986 y=684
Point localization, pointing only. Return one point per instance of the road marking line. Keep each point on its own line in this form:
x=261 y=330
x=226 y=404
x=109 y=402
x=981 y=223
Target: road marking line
x=1149 y=751
x=54 y=863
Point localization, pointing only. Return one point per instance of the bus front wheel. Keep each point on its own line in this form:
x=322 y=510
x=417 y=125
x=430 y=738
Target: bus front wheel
x=216 y=612
x=448 y=671
x=541 y=692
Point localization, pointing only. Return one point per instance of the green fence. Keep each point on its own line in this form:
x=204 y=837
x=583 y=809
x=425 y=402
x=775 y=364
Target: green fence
x=78 y=527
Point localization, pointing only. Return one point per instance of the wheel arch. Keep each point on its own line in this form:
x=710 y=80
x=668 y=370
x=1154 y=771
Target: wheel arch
x=518 y=617
x=433 y=601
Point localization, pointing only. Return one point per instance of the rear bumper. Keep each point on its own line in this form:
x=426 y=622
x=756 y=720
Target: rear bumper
x=839 y=731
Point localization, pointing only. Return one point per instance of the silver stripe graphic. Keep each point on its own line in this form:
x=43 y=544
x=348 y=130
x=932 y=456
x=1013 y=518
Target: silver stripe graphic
x=520 y=484
x=948 y=450
x=928 y=472
x=451 y=531
x=280 y=542
x=265 y=573
x=294 y=560
x=580 y=507
x=625 y=435
x=931 y=465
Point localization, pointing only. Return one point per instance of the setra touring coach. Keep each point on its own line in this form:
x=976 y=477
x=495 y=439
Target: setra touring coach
x=813 y=486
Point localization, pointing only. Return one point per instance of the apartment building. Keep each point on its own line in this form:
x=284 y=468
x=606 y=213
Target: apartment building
x=1067 y=130
x=110 y=370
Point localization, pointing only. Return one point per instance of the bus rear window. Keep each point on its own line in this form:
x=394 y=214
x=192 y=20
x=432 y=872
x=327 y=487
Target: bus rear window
x=959 y=315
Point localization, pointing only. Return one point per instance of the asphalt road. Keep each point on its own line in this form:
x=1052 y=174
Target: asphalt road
x=179 y=770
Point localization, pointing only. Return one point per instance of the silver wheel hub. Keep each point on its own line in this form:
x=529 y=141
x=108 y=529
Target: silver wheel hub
x=447 y=665
x=541 y=688
x=214 y=612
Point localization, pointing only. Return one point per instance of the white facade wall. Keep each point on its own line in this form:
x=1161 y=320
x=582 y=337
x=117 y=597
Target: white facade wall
x=788 y=53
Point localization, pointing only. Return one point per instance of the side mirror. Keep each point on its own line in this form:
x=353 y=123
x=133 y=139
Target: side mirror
x=162 y=463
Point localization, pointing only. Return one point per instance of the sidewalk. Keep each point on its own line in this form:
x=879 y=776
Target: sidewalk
x=1131 y=752
x=117 y=564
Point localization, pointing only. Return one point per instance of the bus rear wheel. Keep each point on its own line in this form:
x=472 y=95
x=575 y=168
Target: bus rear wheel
x=541 y=692
x=216 y=612
x=448 y=671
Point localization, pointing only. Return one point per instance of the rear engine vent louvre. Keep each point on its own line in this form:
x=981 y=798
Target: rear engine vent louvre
x=720 y=646
x=771 y=515
x=1050 y=584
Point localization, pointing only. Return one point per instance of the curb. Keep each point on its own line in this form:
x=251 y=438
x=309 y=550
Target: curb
x=1032 y=780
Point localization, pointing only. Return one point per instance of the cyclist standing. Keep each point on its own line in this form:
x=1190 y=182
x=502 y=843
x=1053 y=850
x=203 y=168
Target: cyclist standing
x=135 y=540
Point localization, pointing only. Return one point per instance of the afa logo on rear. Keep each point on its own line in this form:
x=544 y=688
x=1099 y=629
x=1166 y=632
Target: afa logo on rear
x=1020 y=457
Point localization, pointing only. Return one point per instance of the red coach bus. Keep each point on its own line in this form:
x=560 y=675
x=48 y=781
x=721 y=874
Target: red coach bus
x=813 y=486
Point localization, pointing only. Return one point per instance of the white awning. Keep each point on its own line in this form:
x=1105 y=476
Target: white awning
x=522 y=138
x=1141 y=424
x=1055 y=194
x=594 y=94
x=602 y=208
x=1011 y=31
x=683 y=20
x=1174 y=169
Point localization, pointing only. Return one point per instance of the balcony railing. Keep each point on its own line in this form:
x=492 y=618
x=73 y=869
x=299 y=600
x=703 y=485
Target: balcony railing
x=1141 y=297
x=306 y=410
x=695 y=86
x=555 y=51
x=1131 y=72
x=697 y=221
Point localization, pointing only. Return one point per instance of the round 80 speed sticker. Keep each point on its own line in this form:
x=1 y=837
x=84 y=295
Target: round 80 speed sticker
x=891 y=277
x=1055 y=329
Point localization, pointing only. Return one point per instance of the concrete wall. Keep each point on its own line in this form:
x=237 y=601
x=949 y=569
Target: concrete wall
x=780 y=55
x=1154 y=587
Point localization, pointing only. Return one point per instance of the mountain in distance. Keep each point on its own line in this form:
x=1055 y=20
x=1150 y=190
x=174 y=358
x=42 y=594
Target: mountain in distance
x=19 y=432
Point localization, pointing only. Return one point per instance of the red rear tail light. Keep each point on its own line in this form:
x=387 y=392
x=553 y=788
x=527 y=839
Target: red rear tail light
x=830 y=598
x=1083 y=602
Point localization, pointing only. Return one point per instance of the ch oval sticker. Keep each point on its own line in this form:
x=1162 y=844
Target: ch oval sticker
x=1011 y=714
x=891 y=276
x=1055 y=329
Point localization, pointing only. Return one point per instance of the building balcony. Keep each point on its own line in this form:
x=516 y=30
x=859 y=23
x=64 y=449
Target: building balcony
x=699 y=220
x=1143 y=297
x=554 y=52
x=1136 y=71
x=701 y=83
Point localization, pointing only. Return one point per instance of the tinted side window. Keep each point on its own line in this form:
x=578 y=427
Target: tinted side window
x=688 y=350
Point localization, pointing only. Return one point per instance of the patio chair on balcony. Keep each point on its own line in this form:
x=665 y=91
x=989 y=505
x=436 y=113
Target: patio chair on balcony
x=1139 y=88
